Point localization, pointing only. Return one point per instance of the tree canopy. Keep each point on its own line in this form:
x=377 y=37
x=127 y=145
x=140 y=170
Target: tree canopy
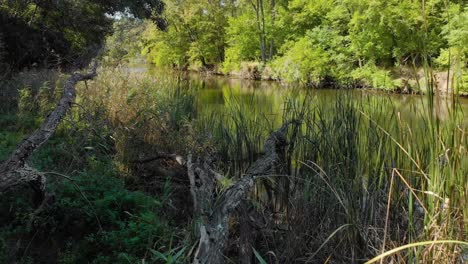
x=304 y=40
x=59 y=33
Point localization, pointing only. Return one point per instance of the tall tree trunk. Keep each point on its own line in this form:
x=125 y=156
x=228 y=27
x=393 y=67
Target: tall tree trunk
x=273 y=20
x=258 y=8
x=264 y=51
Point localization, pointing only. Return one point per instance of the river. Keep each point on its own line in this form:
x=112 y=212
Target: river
x=267 y=97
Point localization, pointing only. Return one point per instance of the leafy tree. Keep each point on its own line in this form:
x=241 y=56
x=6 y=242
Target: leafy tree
x=321 y=53
x=165 y=48
x=240 y=47
x=308 y=40
x=456 y=34
x=195 y=31
x=121 y=45
x=454 y=58
x=53 y=33
x=306 y=15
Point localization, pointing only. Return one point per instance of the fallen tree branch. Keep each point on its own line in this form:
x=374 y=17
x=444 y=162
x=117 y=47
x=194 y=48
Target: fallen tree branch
x=213 y=213
x=14 y=171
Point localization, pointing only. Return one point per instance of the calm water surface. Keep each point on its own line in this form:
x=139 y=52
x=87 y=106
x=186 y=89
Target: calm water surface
x=266 y=98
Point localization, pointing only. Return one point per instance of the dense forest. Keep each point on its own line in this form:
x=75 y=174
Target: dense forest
x=233 y=131
x=380 y=44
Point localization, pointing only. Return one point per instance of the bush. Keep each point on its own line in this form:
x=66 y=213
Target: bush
x=319 y=55
x=374 y=77
x=94 y=219
x=130 y=221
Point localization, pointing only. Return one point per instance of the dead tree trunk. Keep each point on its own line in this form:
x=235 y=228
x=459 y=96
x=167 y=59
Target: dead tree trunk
x=213 y=213
x=247 y=233
x=14 y=171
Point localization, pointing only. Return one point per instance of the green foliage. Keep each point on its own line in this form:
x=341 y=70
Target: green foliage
x=35 y=32
x=456 y=32
x=8 y=142
x=123 y=44
x=321 y=53
x=129 y=220
x=303 y=62
x=96 y=218
x=306 y=15
x=195 y=36
x=165 y=48
x=240 y=34
x=454 y=56
x=312 y=41
x=384 y=23
x=372 y=76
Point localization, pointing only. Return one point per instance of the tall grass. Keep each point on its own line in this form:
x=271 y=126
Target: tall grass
x=363 y=177
x=444 y=186
x=351 y=155
x=147 y=113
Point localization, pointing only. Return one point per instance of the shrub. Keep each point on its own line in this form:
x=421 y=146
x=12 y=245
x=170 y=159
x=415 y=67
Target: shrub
x=314 y=57
x=95 y=218
x=372 y=76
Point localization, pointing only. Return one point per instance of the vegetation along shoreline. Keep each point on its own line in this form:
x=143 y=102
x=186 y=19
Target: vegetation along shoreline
x=233 y=131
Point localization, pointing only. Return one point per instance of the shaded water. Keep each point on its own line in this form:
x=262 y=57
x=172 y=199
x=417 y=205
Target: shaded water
x=267 y=98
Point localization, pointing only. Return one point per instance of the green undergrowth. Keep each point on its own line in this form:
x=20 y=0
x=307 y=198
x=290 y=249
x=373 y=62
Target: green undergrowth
x=94 y=216
x=95 y=219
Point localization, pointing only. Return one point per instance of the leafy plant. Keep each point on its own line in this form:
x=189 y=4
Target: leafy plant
x=172 y=256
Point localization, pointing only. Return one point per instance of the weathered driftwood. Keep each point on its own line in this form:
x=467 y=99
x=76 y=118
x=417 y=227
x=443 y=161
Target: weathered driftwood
x=247 y=231
x=213 y=213
x=14 y=171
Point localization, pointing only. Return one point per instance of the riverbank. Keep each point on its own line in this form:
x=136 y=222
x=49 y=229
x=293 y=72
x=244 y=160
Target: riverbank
x=398 y=80
x=124 y=202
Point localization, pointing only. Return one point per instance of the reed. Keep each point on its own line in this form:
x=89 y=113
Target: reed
x=365 y=175
x=361 y=163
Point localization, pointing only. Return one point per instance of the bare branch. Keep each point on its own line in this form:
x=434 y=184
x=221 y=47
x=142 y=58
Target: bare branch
x=13 y=171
